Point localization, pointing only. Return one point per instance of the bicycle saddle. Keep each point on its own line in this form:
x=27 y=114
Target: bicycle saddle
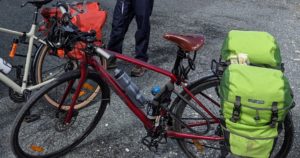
x=38 y=3
x=188 y=43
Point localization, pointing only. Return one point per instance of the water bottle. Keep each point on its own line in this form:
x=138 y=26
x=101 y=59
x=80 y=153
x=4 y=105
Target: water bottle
x=5 y=67
x=131 y=89
x=153 y=110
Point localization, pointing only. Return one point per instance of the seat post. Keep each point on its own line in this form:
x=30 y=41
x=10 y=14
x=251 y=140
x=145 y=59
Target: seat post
x=180 y=55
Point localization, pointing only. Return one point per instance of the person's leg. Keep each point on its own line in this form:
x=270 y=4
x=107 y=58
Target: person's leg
x=123 y=15
x=143 y=11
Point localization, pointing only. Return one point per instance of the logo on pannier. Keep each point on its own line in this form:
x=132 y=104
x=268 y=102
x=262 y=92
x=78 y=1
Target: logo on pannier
x=256 y=101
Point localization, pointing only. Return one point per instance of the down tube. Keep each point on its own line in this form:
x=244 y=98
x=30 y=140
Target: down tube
x=108 y=79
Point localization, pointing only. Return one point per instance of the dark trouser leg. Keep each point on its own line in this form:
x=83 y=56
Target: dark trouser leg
x=123 y=15
x=143 y=11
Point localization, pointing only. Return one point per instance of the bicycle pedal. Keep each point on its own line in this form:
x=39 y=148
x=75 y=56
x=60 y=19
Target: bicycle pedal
x=145 y=140
x=163 y=140
x=150 y=143
x=31 y=118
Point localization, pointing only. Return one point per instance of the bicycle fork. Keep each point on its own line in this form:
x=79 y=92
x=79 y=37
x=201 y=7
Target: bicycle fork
x=83 y=75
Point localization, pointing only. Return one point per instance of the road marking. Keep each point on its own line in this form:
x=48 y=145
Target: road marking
x=297 y=51
x=296 y=59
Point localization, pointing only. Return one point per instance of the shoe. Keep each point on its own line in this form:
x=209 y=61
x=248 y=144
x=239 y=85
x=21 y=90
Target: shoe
x=137 y=71
x=112 y=64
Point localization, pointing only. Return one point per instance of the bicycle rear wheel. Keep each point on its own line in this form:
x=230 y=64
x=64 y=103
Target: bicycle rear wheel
x=206 y=91
x=39 y=129
x=49 y=65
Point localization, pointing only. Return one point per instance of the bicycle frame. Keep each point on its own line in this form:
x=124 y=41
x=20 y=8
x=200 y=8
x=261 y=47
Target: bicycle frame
x=138 y=112
x=10 y=83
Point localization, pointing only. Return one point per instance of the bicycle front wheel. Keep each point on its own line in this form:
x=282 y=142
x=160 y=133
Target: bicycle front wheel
x=49 y=65
x=39 y=129
x=206 y=91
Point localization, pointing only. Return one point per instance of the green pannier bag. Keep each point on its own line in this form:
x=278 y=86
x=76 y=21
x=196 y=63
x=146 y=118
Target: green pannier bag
x=261 y=48
x=254 y=100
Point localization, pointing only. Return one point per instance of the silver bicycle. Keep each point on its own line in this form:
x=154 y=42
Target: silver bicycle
x=19 y=88
x=36 y=70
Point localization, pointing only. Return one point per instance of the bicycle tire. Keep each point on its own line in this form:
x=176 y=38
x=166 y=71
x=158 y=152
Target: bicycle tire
x=212 y=82
x=29 y=149
x=45 y=59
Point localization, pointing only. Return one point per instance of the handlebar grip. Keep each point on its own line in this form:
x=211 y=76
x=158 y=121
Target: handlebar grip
x=63 y=7
x=105 y=53
x=63 y=10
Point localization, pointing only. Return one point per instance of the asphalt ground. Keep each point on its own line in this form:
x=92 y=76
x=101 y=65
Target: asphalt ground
x=116 y=137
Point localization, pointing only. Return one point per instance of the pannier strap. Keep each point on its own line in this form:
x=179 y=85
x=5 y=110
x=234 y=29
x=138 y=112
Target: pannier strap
x=236 y=109
x=274 y=117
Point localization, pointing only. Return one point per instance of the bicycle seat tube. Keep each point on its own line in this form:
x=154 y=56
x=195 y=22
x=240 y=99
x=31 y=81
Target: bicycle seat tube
x=180 y=55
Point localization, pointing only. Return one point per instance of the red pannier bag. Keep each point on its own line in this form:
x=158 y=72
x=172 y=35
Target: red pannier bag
x=93 y=18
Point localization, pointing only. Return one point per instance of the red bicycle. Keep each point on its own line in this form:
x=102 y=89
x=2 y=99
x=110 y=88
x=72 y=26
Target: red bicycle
x=192 y=117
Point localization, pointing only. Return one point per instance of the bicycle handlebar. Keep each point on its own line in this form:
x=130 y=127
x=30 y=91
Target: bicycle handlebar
x=64 y=8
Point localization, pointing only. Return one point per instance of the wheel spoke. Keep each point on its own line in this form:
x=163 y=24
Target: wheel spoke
x=51 y=74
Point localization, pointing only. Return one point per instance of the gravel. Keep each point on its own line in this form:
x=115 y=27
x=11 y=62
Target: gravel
x=115 y=135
